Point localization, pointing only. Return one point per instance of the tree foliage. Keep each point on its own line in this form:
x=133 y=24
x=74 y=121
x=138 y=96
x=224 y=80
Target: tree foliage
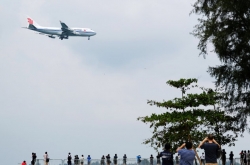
x=226 y=24
x=185 y=120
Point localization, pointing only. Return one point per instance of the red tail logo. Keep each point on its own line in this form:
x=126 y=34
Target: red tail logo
x=30 y=21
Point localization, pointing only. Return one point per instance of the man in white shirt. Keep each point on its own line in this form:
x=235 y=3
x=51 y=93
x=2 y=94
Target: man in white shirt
x=46 y=158
x=82 y=160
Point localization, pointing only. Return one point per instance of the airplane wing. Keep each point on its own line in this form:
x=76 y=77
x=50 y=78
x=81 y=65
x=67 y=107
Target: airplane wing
x=65 y=28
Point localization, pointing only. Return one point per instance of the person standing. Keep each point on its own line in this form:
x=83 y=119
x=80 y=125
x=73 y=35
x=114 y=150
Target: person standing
x=248 y=157
x=211 y=149
x=33 y=161
x=108 y=159
x=82 y=160
x=69 y=159
x=245 y=157
x=115 y=159
x=223 y=157
x=138 y=158
x=124 y=159
x=177 y=161
x=151 y=159
x=203 y=159
x=76 y=160
x=166 y=155
x=231 y=157
x=187 y=155
x=89 y=159
x=241 y=157
x=158 y=159
x=102 y=160
x=24 y=163
x=46 y=158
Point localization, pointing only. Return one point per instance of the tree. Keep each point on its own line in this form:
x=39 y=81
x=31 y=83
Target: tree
x=226 y=24
x=184 y=120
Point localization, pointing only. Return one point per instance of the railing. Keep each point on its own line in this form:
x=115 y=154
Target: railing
x=235 y=161
x=144 y=161
x=129 y=161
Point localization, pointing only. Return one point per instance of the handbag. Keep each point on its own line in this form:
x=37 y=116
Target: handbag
x=47 y=159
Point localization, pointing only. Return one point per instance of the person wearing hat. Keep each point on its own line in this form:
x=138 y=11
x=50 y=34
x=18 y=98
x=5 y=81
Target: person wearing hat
x=89 y=159
x=138 y=159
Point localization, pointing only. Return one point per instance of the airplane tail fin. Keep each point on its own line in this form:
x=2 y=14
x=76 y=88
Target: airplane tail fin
x=32 y=24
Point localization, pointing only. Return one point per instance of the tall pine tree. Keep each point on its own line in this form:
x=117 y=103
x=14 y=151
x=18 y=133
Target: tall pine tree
x=226 y=24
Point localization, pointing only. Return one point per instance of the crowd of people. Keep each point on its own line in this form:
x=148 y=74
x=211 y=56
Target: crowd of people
x=245 y=157
x=186 y=156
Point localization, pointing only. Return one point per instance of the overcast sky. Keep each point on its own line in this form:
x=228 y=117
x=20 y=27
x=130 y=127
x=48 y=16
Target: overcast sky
x=83 y=96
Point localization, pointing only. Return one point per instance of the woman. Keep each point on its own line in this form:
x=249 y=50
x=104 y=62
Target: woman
x=231 y=157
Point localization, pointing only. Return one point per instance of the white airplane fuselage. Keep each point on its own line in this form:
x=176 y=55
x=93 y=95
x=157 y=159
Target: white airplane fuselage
x=82 y=32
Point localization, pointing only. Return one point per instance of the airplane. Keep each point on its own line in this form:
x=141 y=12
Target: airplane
x=63 y=33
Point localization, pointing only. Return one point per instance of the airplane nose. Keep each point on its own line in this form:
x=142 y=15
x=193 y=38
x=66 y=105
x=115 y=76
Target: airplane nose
x=94 y=33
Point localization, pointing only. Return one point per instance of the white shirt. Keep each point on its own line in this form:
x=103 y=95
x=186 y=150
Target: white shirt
x=45 y=156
